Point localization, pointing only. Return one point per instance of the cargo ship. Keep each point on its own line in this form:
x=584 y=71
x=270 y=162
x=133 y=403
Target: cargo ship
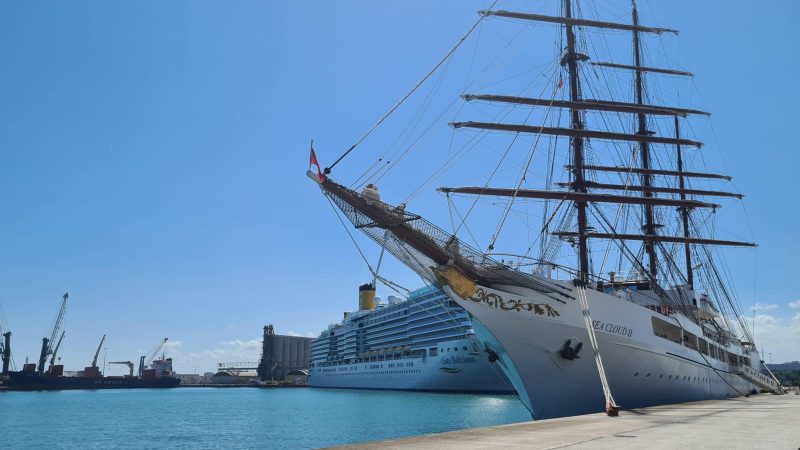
x=159 y=375
x=423 y=343
x=153 y=372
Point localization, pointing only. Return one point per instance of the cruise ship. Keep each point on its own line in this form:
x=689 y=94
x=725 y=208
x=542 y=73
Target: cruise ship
x=423 y=343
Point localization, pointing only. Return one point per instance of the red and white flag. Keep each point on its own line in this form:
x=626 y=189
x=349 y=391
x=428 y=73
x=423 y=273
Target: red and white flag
x=313 y=162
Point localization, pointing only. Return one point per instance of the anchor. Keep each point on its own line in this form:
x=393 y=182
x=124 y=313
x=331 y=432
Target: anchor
x=569 y=352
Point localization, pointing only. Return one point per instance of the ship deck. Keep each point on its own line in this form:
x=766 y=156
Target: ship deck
x=761 y=421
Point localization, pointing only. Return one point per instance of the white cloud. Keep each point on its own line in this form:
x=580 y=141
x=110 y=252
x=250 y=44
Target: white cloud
x=795 y=304
x=292 y=333
x=236 y=350
x=173 y=345
x=763 y=306
x=233 y=350
x=765 y=319
x=778 y=336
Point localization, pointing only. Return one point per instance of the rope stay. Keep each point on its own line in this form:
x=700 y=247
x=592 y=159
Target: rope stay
x=523 y=173
x=380 y=258
x=612 y=409
x=660 y=292
x=411 y=92
x=375 y=276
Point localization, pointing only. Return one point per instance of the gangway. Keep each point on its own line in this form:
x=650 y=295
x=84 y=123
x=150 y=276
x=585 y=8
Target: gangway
x=759 y=379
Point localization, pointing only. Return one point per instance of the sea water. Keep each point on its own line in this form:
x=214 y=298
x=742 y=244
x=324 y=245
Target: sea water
x=212 y=418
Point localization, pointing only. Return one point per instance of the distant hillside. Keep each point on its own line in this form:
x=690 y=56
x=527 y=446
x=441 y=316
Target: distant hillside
x=788 y=373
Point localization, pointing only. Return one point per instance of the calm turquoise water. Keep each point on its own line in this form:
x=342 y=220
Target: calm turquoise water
x=238 y=418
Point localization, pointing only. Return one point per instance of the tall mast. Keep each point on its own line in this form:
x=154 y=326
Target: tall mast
x=578 y=181
x=684 y=211
x=649 y=226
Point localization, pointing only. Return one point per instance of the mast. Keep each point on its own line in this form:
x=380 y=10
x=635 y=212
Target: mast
x=578 y=180
x=644 y=150
x=684 y=212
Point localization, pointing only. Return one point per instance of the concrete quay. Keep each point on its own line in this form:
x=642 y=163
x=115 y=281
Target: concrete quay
x=759 y=422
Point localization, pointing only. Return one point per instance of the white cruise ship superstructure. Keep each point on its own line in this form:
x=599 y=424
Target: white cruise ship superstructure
x=424 y=343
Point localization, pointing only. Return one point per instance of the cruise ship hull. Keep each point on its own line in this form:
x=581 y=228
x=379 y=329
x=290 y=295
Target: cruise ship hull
x=642 y=369
x=461 y=370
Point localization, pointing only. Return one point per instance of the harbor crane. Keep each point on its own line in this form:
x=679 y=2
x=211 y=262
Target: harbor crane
x=97 y=353
x=5 y=345
x=145 y=360
x=58 y=346
x=47 y=343
x=5 y=350
x=127 y=363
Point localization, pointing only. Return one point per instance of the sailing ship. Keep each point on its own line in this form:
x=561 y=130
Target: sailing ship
x=572 y=340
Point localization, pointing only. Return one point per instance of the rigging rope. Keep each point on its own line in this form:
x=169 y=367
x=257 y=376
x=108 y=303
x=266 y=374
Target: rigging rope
x=611 y=406
x=380 y=258
x=503 y=157
x=389 y=283
x=663 y=295
x=409 y=93
x=523 y=172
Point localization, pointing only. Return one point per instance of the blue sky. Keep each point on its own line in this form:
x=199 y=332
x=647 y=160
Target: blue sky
x=153 y=158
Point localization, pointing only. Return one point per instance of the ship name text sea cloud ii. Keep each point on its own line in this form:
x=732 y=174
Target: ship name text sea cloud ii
x=628 y=302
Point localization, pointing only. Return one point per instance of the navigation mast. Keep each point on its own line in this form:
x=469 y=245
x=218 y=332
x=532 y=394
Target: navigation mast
x=576 y=142
x=649 y=227
x=684 y=211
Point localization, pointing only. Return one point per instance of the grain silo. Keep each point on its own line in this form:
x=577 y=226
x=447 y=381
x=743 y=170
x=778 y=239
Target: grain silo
x=282 y=354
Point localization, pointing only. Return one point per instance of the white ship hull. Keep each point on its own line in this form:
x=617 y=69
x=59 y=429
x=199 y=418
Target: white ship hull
x=464 y=370
x=642 y=369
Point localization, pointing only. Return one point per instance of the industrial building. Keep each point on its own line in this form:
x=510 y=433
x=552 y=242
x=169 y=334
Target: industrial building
x=235 y=373
x=297 y=378
x=282 y=354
